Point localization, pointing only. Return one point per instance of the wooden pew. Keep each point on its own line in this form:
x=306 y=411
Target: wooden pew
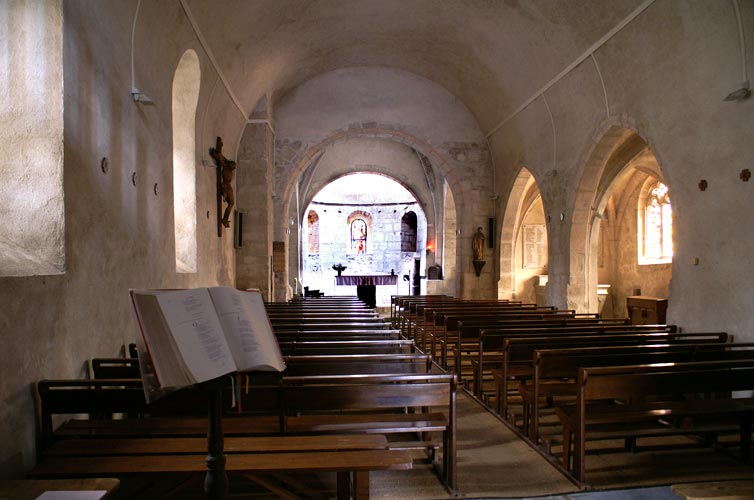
x=302 y=326
x=491 y=347
x=431 y=319
x=326 y=404
x=304 y=347
x=421 y=313
x=464 y=337
x=638 y=416
x=321 y=363
x=351 y=457
x=344 y=334
x=516 y=360
x=342 y=404
x=555 y=369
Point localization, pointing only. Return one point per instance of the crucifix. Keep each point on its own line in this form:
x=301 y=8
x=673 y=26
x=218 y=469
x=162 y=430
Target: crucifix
x=225 y=171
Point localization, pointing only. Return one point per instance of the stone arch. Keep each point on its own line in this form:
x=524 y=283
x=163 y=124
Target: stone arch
x=523 y=194
x=185 y=98
x=604 y=169
x=386 y=132
x=428 y=156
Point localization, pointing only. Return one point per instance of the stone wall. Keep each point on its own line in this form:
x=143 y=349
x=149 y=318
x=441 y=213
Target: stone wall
x=383 y=250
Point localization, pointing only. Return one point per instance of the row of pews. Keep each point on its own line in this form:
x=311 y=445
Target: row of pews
x=566 y=380
x=356 y=396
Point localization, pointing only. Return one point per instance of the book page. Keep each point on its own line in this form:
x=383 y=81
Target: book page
x=197 y=332
x=248 y=329
x=160 y=361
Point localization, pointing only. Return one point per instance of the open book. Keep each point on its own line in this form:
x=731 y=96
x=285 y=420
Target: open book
x=196 y=335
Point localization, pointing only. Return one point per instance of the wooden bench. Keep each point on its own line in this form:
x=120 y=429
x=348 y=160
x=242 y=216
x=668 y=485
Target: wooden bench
x=490 y=350
x=517 y=361
x=351 y=457
x=429 y=317
x=555 y=369
x=353 y=364
x=344 y=403
x=310 y=334
x=636 y=415
x=464 y=338
x=303 y=347
x=368 y=404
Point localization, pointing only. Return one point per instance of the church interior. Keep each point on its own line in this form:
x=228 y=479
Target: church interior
x=537 y=147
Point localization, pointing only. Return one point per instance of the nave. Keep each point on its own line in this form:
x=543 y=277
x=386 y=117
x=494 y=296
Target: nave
x=350 y=372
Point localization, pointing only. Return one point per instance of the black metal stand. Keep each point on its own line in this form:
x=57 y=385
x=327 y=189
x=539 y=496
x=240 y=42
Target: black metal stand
x=216 y=479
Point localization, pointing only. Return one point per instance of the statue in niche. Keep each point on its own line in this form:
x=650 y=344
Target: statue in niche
x=477 y=244
x=225 y=171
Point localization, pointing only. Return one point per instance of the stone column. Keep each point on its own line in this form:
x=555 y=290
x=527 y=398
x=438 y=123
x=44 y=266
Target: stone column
x=254 y=197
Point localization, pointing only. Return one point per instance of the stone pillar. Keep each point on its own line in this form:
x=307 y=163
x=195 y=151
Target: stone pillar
x=254 y=197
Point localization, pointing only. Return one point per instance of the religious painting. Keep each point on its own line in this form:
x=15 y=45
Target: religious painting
x=535 y=246
x=359 y=236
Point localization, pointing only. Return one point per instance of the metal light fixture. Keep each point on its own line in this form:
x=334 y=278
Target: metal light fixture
x=141 y=98
x=743 y=92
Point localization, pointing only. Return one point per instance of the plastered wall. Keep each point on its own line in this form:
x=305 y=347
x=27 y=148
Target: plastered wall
x=117 y=235
x=664 y=76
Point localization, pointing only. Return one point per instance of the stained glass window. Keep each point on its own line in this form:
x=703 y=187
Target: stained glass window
x=359 y=236
x=657 y=242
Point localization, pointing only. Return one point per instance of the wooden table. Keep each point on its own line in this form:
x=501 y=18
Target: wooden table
x=30 y=489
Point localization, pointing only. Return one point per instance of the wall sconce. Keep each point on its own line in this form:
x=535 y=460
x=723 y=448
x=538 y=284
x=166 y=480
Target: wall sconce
x=430 y=247
x=741 y=93
x=141 y=98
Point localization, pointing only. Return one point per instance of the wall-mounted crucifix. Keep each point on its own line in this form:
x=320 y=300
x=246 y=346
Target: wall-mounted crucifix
x=225 y=170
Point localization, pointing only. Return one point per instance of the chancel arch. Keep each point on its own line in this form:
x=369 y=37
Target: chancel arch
x=389 y=159
x=360 y=219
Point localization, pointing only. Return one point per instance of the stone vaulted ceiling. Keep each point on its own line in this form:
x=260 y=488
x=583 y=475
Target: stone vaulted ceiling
x=491 y=54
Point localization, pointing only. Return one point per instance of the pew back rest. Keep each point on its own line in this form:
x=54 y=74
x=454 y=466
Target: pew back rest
x=561 y=363
x=368 y=392
x=348 y=364
x=114 y=368
x=622 y=382
x=492 y=339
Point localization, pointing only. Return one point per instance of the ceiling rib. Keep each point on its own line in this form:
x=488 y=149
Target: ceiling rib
x=208 y=51
x=641 y=8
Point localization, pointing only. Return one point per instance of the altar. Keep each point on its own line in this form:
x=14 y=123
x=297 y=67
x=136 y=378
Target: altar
x=366 y=285
x=367 y=279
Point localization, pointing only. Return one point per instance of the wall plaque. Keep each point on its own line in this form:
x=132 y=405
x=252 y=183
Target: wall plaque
x=535 y=245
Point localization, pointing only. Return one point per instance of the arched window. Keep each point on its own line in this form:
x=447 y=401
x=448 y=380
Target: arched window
x=408 y=232
x=185 y=99
x=359 y=236
x=655 y=226
x=312 y=220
